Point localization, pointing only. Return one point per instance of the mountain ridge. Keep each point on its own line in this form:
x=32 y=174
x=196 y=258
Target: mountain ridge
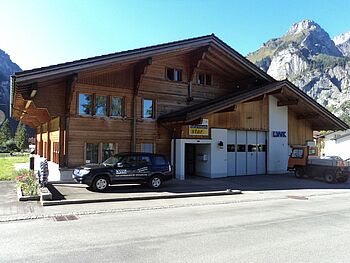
x=309 y=58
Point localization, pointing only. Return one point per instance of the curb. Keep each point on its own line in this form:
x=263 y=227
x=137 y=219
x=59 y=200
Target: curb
x=138 y=198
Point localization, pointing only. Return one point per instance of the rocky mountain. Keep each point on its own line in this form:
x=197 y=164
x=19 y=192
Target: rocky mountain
x=7 y=68
x=308 y=57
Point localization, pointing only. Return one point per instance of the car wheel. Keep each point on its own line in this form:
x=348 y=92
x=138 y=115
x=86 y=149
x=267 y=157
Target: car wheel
x=299 y=173
x=329 y=177
x=155 y=182
x=100 y=184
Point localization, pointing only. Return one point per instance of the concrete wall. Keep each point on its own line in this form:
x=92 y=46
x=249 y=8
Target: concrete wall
x=278 y=149
x=203 y=167
x=339 y=147
x=219 y=155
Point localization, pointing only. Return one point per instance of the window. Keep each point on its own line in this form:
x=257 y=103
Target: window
x=200 y=79
x=252 y=148
x=208 y=79
x=145 y=160
x=85 y=104
x=297 y=153
x=148 y=109
x=116 y=106
x=101 y=105
x=204 y=79
x=129 y=161
x=261 y=147
x=107 y=150
x=230 y=147
x=241 y=147
x=159 y=160
x=147 y=147
x=174 y=74
x=91 y=153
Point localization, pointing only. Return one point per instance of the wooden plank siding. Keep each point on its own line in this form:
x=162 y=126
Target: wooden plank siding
x=299 y=131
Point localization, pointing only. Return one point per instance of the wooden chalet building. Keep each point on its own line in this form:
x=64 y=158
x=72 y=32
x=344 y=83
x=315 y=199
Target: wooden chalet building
x=197 y=101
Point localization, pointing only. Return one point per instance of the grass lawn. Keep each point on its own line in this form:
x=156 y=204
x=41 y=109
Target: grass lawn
x=7 y=165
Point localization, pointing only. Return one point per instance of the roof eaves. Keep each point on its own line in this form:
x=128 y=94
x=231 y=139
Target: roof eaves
x=110 y=58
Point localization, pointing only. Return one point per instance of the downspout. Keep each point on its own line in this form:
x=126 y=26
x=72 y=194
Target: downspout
x=133 y=126
x=12 y=93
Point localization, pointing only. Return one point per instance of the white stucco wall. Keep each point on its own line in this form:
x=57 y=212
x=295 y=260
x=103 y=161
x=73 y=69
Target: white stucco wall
x=203 y=167
x=219 y=155
x=277 y=153
x=339 y=147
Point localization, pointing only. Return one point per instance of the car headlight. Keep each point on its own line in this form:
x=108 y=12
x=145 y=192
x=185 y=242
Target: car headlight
x=84 y=172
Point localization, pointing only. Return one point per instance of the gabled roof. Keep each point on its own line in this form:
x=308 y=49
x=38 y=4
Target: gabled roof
x=137 y=54
x=216 y=105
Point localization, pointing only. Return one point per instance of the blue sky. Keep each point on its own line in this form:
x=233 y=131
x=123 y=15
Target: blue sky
x=38 y=33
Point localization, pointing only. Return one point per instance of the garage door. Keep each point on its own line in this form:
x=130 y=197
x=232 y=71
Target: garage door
x=246 y=153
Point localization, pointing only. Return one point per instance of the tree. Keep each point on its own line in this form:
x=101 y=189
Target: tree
x=21 y=137
x=5 y=132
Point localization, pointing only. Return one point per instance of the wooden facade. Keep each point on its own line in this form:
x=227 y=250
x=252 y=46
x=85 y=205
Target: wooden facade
x=63 y=134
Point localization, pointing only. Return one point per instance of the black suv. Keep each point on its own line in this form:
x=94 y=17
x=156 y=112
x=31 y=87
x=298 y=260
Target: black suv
x=125 y=168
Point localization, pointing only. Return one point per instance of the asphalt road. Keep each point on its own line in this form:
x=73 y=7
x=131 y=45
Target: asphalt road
x=290 y=230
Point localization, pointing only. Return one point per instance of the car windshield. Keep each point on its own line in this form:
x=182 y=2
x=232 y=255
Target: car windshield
x=113 y=160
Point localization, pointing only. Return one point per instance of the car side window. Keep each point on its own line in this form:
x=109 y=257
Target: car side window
x=145 y=160
x=159 y=160
x=129 y=161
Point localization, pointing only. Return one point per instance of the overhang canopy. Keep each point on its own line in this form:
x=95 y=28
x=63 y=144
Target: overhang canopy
x=287 y=94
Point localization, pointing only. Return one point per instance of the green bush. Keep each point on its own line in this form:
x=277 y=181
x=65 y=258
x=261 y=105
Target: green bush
x=28 y=182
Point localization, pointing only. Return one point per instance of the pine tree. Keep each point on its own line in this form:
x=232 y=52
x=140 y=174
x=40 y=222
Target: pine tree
x=21 y=137
x=5 y=132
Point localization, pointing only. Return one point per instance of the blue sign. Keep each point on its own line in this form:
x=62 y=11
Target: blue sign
x=281 y=134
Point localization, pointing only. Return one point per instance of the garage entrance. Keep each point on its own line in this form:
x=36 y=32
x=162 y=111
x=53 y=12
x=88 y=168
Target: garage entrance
x=246 y=152
x=197 y=159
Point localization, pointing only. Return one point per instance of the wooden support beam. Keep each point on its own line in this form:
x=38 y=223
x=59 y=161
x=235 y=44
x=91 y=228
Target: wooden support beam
x=70 y=88
x=255 y=99
x=287 y=102
x=219 y=68
x=228 y=109
x=139 y=72
x=29 y=91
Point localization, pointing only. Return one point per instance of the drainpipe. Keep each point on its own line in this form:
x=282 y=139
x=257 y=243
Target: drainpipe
x=12 y=93
x=133 y=126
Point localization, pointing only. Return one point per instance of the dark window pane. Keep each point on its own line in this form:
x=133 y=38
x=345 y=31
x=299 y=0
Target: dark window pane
x=178 y=75
x=200 y=79
x=107 y=150
x=170 y=74
x=241 y=148
x=252 y=148
x=129 y=161
x=91 y=153
x=159 y=160
x=85 y=104
x=101 y=105
x=208 y=79
x=148 y=109
x=116 y=106
x=145 y=160
x=230 y=147
x=297 y=153
x=261 y=147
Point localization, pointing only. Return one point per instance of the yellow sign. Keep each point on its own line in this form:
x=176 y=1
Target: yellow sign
x=198 y=129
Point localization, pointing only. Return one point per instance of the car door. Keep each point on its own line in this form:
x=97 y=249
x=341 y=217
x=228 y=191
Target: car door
x=144 y=163
x=126 y=168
